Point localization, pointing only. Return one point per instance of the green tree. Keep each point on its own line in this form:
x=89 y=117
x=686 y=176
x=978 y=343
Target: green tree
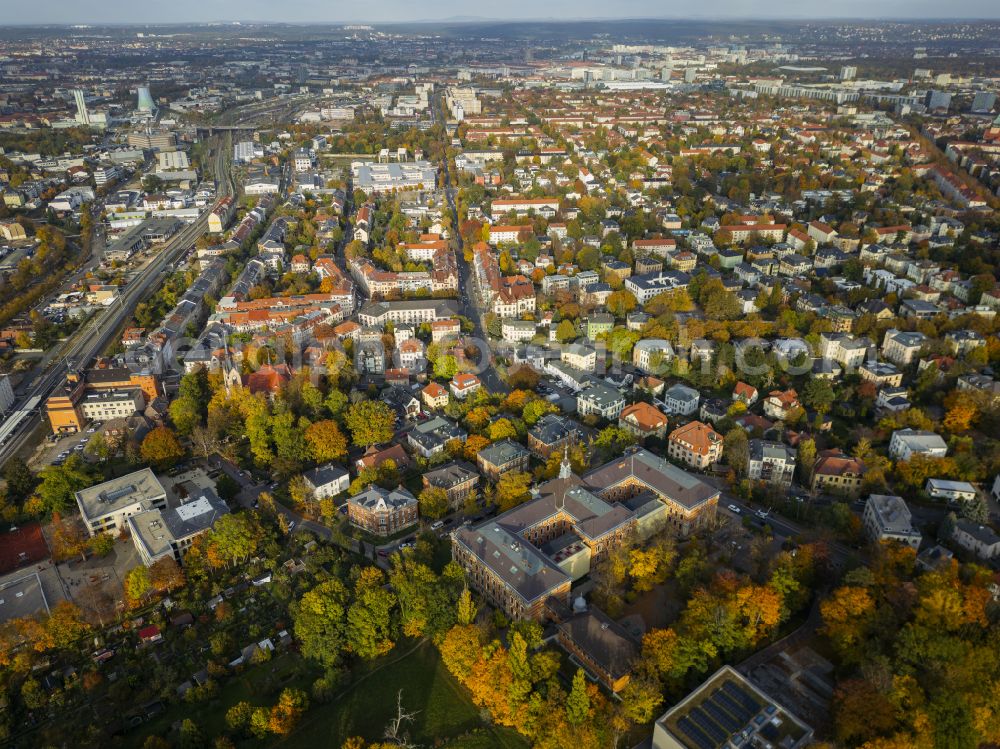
x=433 y=502
x=184 y=413
x=21 y=482
x=191 y=735
x=59 y=484
x=233 y=539
x=445 y=366
x=369 y=617
x=578 y=701
x=336 y=403
x=320 y=622
x=466 y=613
x=536 y=409
x=370 y=422
x=737 y=450
x=565 y=331
x=238 y=716
x=426 y=601
x=818 y=394
x=805 y=459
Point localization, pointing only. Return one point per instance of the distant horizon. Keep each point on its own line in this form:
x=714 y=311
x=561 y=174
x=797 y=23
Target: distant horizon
x=124 y=13
x=784 y=18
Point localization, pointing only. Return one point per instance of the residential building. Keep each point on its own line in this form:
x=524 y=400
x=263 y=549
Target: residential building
x=681 y=400
x=953 y=491
x=977 y=539
x=464 y=384
x=745 y=394
x=458 y=479
x=835 y=472
x=905 y=443
x=647 y=286
x=696 y=444
x=902 y=347
x=600 y=399
x=501 y=457
x=518 y=330
x=552 y=433
x=779 y=403
x=650 y=351
x=383 y=512
x=771 y=462
x=643 y=420
x=887 y=518
x=579 y=356
x=429 y=438
x=435 y=396
x=881 y=373
x=327 y=480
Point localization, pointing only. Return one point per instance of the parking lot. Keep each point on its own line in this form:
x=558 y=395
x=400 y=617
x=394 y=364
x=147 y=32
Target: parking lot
x=55 y=451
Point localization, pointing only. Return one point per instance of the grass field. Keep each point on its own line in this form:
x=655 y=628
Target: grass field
x=444 y=715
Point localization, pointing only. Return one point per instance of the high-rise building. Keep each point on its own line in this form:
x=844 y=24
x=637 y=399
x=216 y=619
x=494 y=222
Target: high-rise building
x=689 y=74
x=82 y=115
x=145 y=100
x=848 y=73
x=938 y=100
x=983 y=102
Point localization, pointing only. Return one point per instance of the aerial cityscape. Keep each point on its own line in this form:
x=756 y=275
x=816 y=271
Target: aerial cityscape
x=478 y=378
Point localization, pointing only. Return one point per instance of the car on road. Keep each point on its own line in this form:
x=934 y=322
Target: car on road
x=291 y=525
x=383 y=553
x=762 y=514
x=437 y=524
x=734 y=509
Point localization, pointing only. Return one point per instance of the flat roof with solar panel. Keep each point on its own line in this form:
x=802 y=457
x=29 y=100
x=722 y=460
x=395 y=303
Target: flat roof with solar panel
x=729 y=712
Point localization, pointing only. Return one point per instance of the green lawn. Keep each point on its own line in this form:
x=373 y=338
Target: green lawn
x=444 y=718
x=443 y=711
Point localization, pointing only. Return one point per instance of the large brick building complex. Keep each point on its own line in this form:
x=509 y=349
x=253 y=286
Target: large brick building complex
x=530 y=556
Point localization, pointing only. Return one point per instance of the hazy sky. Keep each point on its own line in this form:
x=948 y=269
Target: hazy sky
x=130 y=11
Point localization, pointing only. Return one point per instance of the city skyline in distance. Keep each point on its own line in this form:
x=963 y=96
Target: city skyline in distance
x=120 y=12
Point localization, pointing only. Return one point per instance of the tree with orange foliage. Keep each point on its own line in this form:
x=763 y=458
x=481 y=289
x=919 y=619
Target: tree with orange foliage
x=473 y=445
x=285 y=715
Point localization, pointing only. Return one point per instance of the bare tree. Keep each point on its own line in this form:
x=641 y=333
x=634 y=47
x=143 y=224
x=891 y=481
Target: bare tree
x=395 y=727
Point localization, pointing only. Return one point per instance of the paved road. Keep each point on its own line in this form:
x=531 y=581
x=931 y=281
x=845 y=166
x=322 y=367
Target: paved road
x=91 y=339
x=467 y=303
x=780 y=525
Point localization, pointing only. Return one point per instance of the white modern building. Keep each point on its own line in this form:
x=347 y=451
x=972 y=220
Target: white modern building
x=106 y=507
x=887 y=518
x=906 y=443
